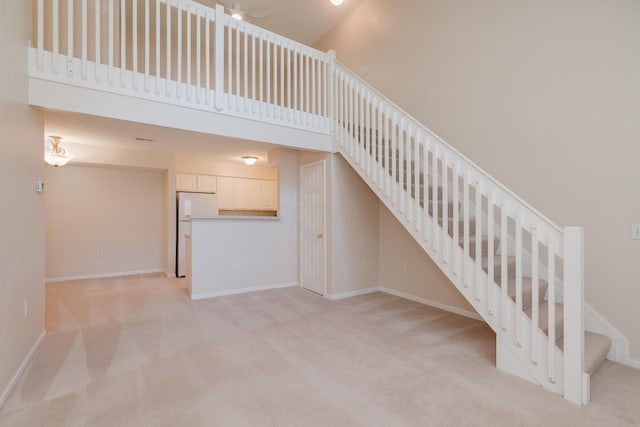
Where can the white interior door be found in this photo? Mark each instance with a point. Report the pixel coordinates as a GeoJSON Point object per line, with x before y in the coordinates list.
{"type": "Point", "coordinates": [312, 196]}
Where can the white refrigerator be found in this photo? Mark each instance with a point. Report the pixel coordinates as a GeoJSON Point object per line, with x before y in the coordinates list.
{"type": "Point", "coordinates": [190, 204]}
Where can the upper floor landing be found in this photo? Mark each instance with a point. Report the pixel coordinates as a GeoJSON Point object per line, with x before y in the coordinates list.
{"type": "Point", "coordinates": [179, 64]}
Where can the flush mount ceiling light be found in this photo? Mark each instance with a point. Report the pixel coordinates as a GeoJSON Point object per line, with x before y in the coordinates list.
{"type": "Point", "coordinates": [55, 155]}
{"type": "Point", "coordinates": [336, 2]}
{"type": "Point", "coordinates": [250, 160]}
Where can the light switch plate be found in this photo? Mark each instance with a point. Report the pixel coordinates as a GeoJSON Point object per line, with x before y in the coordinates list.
{"type": "Point", "coordinates": [38, 186]}
{"type": "Point", "coordinates": [635, 231]}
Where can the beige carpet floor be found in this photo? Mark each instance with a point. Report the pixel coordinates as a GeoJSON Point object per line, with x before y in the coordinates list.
{"type": "Point", "coordinates": [135, 351]}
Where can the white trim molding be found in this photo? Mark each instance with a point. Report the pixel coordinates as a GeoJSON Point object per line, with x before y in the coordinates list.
{"type": "Point", "coordinates": [23, 366]}
{"type": "Point", "coordinates": [226, 292]}
{"type": "Point", "coordinates": [334, 297]}
{"type": "Point", "coordinates": [105, 275]}
{"type": "Point", "coordinates": [629, 361]}
{"type": "Point", "coordinates": [619, 351]}
{"type": "Point", "coordinates": [432, 303]}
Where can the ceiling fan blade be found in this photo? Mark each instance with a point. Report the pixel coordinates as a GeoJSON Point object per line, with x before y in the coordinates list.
{"type": "Point", "coordinates": [261, 13]}
{"type": "Point", "coordinates": [235, 6]}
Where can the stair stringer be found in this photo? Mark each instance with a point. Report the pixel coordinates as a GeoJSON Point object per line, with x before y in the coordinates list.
{"type": "Point", "coordinates": [533, 361]}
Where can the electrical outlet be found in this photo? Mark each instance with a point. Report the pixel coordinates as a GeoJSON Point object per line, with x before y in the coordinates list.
{"type": "Point", "coordinates": [99, 252]}
{"type": "Point", "coordinates": [38, 186]}
{"type": "Point", "coordinates": [26, 308]}
{"type": "Point", "coordinates": [635, 231]}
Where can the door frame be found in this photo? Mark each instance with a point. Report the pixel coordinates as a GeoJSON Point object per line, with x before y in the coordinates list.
{"type": "Point", "coordinates": [322, 163]}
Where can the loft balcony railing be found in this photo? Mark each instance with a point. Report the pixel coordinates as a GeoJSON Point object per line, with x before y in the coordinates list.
{"type": "Point", "coordinates": [183, 53]}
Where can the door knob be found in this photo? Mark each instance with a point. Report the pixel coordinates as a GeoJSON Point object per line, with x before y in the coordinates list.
{"type": "Point", "coordinates": [319, 236]}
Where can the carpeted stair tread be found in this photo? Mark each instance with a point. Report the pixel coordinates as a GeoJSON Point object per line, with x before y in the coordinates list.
{"type": "Point", "coordinates": [439, 192]}
{"type": "Point", "coordinates": [596, 348]}
{"type": "Point", "coordinates": [543, 318]}
{"type": "Point", "coordinates": [497, 262]}
{"type": "Point", "coordinates": [472, 226]}
{"type": "Point", "coordinates": [527, 290]}
{"type": "Point", "coordinates": [596, 345]}
{"type": "Point", "coordinates": [440, 210]}
{"type": "Point", "coordinates": [484, 244]}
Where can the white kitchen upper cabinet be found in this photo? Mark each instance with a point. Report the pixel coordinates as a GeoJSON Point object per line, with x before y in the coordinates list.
{"type": "Point", "coordinates": [241, 193]}
{"type": "Point", "coordinates": [268, 195]}
{"type": "Point", "coordinates": [225, 193]}
{"type": "Point", "coordinates": [206, 183]}
{"type": "Point", "coordinates": [254, 194]}
{"type": "Point", "coordinates": [186, 182]}
{"type": "Point", "coordinates": [246, 194]}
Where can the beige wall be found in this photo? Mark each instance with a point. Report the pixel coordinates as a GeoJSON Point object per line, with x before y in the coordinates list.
{"type": "Point", "coordinates": [103, 220]}
{"type": "Point", "coordinates": [352, 225]}
{"type": "Point", "coordinates": [86, 154]}
{"type": "Point", "coordinates": [543, 95]}
{"type": "Point", "coordinates": [422, 277]}
{"type": "Point", "coordinates": [22, 213]}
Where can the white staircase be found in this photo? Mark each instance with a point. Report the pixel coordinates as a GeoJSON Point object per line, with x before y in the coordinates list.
{"type": "Point", "coordinates": [522, 273]}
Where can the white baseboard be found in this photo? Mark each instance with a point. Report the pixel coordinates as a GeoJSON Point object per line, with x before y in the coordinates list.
{"type": "Point", "coordinates": [432, 303]}
{"type": "Point", "coordinates": [629, 361]}
{"type": "Point", "coordinates": [243, 290]}
{"type": "Point", "coordinates": [169, 275]}
{"type": "Point", "coordinates": [104, 275]}
{"type": "Point", "coordinates": [16, 377]}
{"type": "Point", "coordinates": [350, 294]}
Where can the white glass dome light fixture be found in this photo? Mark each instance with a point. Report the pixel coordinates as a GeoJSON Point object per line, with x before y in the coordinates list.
{"type": "Point", "coordinates": [250, 160]}
{"type": "Point", "coordinates": [336, 2]}
{"type": "Point", "coordinates": [55, 155]}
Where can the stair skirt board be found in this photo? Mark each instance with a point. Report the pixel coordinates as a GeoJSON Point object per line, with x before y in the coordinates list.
{"type": "Point", "coordinates": [619, 351]}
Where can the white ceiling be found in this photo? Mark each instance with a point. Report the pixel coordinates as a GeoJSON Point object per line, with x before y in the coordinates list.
{"type": "Point", "coordinates": [100, 131]}
{"type": "Point", "coordinates": [302, 20]}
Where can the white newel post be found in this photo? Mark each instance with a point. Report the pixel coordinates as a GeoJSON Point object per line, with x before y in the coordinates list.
{"type": "Point", "coordinates": [575, 379]}
{"type": "Point", "coordinates": [219, 57]}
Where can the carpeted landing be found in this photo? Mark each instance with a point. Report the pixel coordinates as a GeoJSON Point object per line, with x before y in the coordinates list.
{"type": "Point", "coordinates": [135, 351]}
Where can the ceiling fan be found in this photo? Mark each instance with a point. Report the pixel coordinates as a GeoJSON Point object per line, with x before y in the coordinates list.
{"type": "Point", "coordinates": [238, 12]}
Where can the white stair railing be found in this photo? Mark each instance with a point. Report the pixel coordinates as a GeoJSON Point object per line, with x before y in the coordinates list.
{"type": "Point", "coordinates": [497, 250]}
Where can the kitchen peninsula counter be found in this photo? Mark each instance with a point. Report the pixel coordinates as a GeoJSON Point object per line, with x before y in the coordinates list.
{"type": "Point", "coordinates": [233, 254]}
